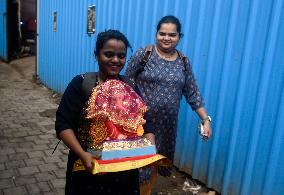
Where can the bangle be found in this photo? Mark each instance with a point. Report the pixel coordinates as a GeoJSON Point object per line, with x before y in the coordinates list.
{"type": "Point", "coordinates": [208, 118]}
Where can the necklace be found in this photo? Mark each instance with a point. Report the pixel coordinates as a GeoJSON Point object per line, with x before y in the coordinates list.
{"type": "Point", "coordinates": [163, 55]}
{"type": "Point", "coordinates": [168, 57]}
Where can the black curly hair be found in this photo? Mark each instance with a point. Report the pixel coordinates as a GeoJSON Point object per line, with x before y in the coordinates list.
{"type": "Point", "coordinates": [103, 37]}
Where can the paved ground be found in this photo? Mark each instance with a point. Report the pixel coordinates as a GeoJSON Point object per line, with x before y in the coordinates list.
{"type": "Point", "coordinates": [27, 135]}
{"type": "Point", "coordinates": [27, 138]}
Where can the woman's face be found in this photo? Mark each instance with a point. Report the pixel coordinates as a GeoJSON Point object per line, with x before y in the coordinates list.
{"type": "Point", "coordinates": [111, 58]}
{"type": "Point", "coordinates": [167, 37]}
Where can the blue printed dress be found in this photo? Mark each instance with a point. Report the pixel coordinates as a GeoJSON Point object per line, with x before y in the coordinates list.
{"type": "Point", "coordinates": [162, 84]}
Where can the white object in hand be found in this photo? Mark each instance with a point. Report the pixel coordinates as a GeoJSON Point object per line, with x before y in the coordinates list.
{"type": "Point", "coordinates": [202, 132]}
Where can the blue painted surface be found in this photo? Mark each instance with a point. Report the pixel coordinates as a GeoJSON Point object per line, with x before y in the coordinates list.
{"type": "Point", "coordinates": [3, 30]}
{"type": "Point", "coordinates": [236, 48]}
{"type": "Point", "coordinates": [126, 153]}
{"type": "Point", "coordinates": [69, 50]}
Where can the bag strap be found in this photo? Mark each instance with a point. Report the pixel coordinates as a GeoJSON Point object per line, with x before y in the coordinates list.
{"type": "Point", "coordinates": [182, 57]}
{"type": "Point", "coordinates": [147, 55]}
{"type": "Point", "coordinates": [89, 82]}
{"type": "Point", "coordinates": [148, 52]}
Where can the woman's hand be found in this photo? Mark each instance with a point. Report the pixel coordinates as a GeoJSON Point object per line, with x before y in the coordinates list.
{"type": "Point", "coordinates": [207, 130]}
{"type": "Point", "coordinates": [150, 137]}
{"type": "Point", "coordinates": [87, 160]}
{"type": "Point", "coordinates": [143, 121]}
{"type": "Point", "coordinates": [69, 138]}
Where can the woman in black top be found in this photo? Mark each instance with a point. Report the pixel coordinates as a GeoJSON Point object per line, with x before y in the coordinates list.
{"type": "Point", "coordinates": [111, 50]}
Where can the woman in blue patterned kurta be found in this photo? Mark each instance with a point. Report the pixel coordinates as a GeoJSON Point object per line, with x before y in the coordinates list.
{"type": "Point", "coordinates": [162, 82]}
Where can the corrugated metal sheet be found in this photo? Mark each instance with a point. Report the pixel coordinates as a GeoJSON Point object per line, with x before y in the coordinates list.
{"type": "Point", "coordinates": [236, 48]}
{"type": "Point", "coordinates": [69, 50]}
{"type": "Point", "coordinates": [240, 70]}
{"type": "Point", "coordinates": [3, 30]}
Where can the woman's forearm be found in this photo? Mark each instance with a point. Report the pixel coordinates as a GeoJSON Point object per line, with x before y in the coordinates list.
{"type": "Point", "coordinates": [201, 113]}
{"type": "Point", "coordinates": [70, 140]}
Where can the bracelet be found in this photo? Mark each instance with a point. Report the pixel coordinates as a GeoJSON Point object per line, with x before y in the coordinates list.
{"type": "Point", "coordinates": [208, 118]}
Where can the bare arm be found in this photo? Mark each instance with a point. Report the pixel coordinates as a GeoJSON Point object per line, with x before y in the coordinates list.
{"type": "Point", "coordinates": [70, 140]}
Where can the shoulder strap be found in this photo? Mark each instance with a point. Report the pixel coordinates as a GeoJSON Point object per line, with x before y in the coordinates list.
{"type": "Point", "coordinates": [147, 55]}
{"type": "Point", "coordinates": [89, 82]}
{"type": "Point", "coordinates": [148, 52]}
{"type": "Point", "coordinates": [181, 56]}
{"type": "Point", "coordinates": [183, 59]}
{"type": "Point", "coordinates": [90, 79]}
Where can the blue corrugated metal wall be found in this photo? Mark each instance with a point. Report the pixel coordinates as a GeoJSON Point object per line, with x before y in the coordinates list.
{"type": "Point", "coordinates": [3, 30]}
{"type": "Point", "coordinates": [69, 50]}
{"type": "Point", "coordinates": [236, 48]}
{"type": "Point", "coordinates": [241, 75]}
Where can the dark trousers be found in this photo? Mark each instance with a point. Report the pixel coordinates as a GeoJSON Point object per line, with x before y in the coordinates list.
{"type": "Point", "coordinates": [83, 182]}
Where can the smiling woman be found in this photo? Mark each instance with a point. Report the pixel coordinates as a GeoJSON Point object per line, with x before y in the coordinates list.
{"type": "Point", "coordinates": [111, 54]}
{"type": "Point", "coordinates": [111, 59]}
{"type": "Point", "coordinates": [166, 41]}
{"type": "Point", "coordinates": [165, 78]}
{"type": "Point", "coordinates": [73, 127]}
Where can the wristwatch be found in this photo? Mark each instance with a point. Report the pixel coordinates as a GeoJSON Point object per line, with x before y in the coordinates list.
{"type": "Point", "coordinates": [208, 118]}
